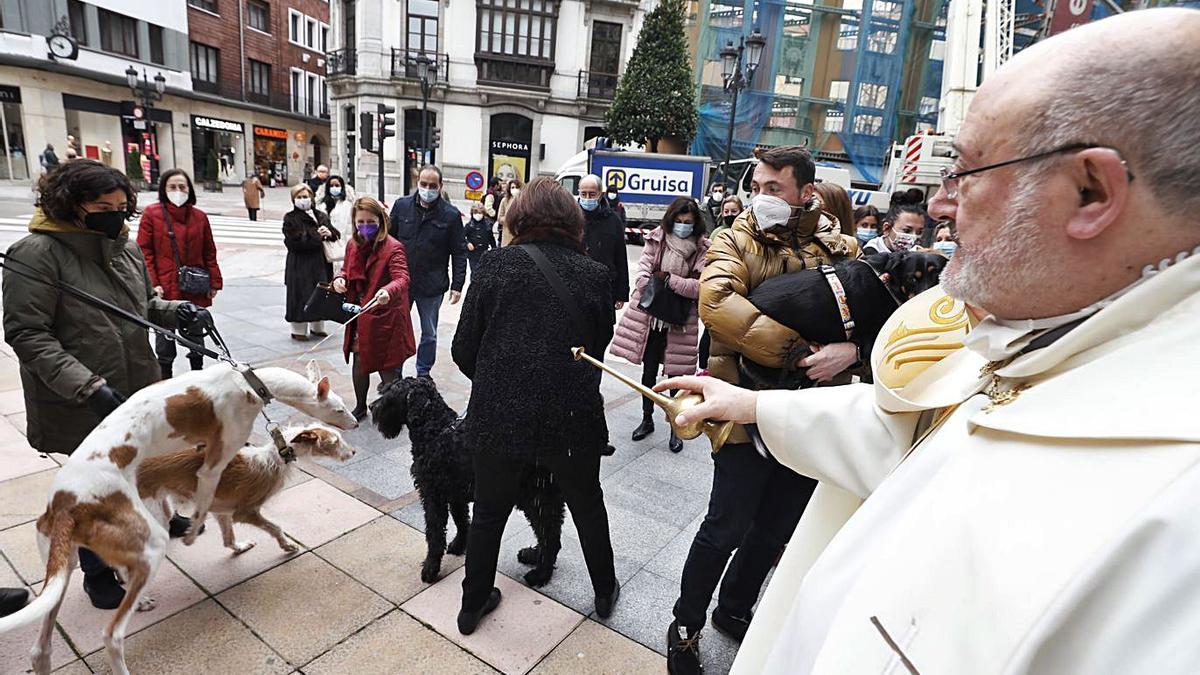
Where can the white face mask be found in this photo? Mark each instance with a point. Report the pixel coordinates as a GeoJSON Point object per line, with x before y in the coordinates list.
{"type": "Point", "coordinates": [477, 217]}
{"type": "Point", "coordinates": [177, 197]}
{"type": "Point", "coordinates": [335, 191]}
{"type": "Point", "coordinates": [904, 241]}
{"type": "Point", "coordinates": [303, 203]}
{"type": "Point", "coordinates": [771, 211]}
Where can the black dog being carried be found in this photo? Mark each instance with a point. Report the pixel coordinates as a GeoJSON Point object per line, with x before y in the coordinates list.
{"type": "Point", "coordinates": [847, 302]}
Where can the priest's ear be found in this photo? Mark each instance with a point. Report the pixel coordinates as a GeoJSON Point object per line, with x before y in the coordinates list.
{"type": "Point", "coordinates": [1103, 183]}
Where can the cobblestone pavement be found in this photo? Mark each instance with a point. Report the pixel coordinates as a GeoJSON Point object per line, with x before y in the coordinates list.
{"type": "Point", "coordinates": [351, 601]}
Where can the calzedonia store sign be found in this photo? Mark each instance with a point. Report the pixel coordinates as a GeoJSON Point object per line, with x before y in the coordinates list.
{"type": "Point", "coordinates": [214, 124]}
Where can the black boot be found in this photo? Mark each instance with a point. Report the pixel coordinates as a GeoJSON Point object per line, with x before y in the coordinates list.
{"type": "Point", "coordinates": [676, 443]}
{"type": "Point", "coordinates": [103, 589]}
{"type": "Point", "coordinates": [12, 599]}
{"type": "Point", "coordinates": [683, 650]}
{"type": "Point", "coordinates": [468, 621]}
{"type": "Point", "coordinates": [645, 428]}
{"type": "Point", "coordinates": [605, 603]}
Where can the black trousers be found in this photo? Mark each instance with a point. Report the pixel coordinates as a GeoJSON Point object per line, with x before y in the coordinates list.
{"type": "Point", "coordinates": [754, 507]}
{"type": "Point", "coordinates": [497, 480]}
{"type": "Point", "coordinates": [652, 358]}
{"type": "Point", "coordinates": [253, 213]}
{"type": "Point", "coordinates": [166, 350]}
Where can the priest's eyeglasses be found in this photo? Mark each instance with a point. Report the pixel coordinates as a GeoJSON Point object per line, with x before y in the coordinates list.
{"type": "Point", "coordinates": [950, 178]}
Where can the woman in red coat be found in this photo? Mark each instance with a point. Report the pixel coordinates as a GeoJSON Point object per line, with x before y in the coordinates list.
{"type": "Point", "coordinates": [175, 211]}
{"type": "Point", "coordinates": [376, 268]}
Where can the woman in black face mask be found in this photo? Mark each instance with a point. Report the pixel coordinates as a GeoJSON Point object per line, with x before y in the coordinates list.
{"type": "Point", "coordinates": [78, 363]}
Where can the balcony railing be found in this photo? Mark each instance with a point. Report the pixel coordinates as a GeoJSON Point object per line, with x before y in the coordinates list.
{"type": "Point", "coordinates": [404, 64]}
{"type": "Point", "coordinates": [519, 71]}
{"type": "Point", "coordinates": [598, 86]}
{"type": "Point", "coordinates": [340, 62]}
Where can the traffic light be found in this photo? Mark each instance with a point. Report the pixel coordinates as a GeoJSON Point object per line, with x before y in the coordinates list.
{"type": "Point", "coordinates": [435, 138]}
{"type": "Point", "coordinates": [387, 123]}
{"type": "Point", "coordinates": [366, 131]}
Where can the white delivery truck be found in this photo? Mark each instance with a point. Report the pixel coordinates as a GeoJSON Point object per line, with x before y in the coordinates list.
{"type": "Point", "coordinates": [647, 182]}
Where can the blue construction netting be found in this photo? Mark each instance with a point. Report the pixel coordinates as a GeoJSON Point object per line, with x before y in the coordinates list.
{"type": "Point", "coordinates": [727, 22]}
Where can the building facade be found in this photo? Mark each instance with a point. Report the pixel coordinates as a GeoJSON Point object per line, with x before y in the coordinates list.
{"type": "Point", "coordinates": [242, 86]}
{"type": "Point", "coordinates": [520, 85]}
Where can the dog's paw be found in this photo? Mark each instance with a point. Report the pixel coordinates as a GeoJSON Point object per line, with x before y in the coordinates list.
{"type": "Point", "coordinates": [539, 576]}
{"type": "Point", "coordinates": [430, 571]}
{"type": "Point", "coordinates": [530, 555]}
{"type": "Point", "coordinates": [457, 546]}
{"type": "Point", "coordinates": [289, 547]}
{"type": "Point", "coordinates": [240, 547]}
{"type": "Point", "coordinates": [146, 603]}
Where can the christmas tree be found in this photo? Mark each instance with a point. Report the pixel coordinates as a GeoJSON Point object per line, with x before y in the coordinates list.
{"type": "Point", "coordinates": [655, 98]}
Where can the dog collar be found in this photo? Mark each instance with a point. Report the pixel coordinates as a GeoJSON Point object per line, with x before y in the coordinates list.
{"type": "Point", "coordinates": [286, 452]}
{"type": "Point", "coordinates": [839, 294]}
{"type": "Point", "coordinates": [255, 383]}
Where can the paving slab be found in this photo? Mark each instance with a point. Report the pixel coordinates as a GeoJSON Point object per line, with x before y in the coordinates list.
{"type": "Point", "coordinates": [204, 639]}
{"type": "Point", "coordinates": [24, 499]}
{"type": "Point", "coordinates": [84, 624]}
{"type": "Point", "coordinates": [12, 401]}
{"type": "Point", "coordinates": [284, 607]}
{"type": "Point", "coordinates": [315, 512]}
{"type": "Point", "coordinates": [524, 628]}
{"type": "Point", "coordinates": [385, 555]}
{"type": "Point", "coordinates": [17, 457]}
{"type": "Point", "coordinates": [15, 644]}
{"type": "Point", "coordinates": [19, 545]}
{"type": "Point", "coordinates": [635, 491]}
{"type": "Point", "coordinates": [215, 568]}
{"type": "Point", "coordinates": [593, 649]}
{"type": "Point", "coordinates": [385, 477]}
{"type": "Point", "coordinates": [396, 644]}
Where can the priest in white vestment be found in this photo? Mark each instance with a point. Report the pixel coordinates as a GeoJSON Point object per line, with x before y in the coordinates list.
{"type": "Point", "coordinates": [1030, 501]}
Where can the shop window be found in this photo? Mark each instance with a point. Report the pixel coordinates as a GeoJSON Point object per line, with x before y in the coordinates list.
{"type": "Point", "coordinates": [260, 78]}
{"type": "Point", "coordinates": [78, 21]}
{"type": "Point", "coordinates": [422, 26]}
{"type": "Point", "coordinates": [156, 45]}
{"type": "Point", "coordinates": [206, 5]}
{"type": "Point", "coordinates": [118, 33]}
{"type": "Point", "coordinates": [872, 95]}
{"type": "Point", "coordinates": [258, 15]}
{"type": "Point", "coordinates": [205, 68]}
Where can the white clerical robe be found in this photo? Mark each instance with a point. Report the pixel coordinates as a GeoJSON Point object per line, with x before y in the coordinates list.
{"type": "Point", "coordinates": [1057, 532]}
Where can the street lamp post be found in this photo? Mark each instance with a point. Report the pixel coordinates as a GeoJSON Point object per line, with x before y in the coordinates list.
{"type": "Point", "coordinates": [427, 73]}
{"type": "Point", "coordinates": [731, 70]}
{"type": "Point", "coordinates": [144, 90]}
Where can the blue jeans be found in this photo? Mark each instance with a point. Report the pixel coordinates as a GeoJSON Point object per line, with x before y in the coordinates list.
{"type": "Point", "coordinates": [428, 309]}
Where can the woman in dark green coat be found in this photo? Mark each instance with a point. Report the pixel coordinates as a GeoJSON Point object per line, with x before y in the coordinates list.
{"type": "Point", "coordinates": [78, 362]}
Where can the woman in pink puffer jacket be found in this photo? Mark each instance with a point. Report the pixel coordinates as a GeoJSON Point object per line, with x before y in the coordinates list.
{"type": "Point", "coordinates": [674, 252]}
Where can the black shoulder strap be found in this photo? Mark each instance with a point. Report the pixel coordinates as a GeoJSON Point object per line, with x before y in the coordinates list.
{"type": "Point", "coordinates": [171, 236]}
{"type": "Point", "coordinates": [560, 289]}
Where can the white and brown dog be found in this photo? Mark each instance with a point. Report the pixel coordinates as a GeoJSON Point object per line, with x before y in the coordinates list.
{"type": "Point", "coordinates": [256, 473]}
{"type": "Point", "coordinates": [94, 500]}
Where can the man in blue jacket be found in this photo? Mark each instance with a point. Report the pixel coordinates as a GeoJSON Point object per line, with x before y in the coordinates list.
{"type": "Point", "coordinates": [431, 230]}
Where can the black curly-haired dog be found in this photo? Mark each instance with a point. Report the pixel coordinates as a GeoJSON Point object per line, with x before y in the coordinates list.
{"type": "Point", "coordinates": [804, 301]}
{"type": "Point", "coordinates": [444, 477]}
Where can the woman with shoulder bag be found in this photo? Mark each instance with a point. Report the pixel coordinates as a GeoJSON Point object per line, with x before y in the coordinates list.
{"type": "Point", "coordinates": [671, 263]}
{"type": "Point", "coordinates": [376, 268]}
{"type": "Point", "coordinates": [181, 258]}
{"type": "Point", "coordinates": [305, 232]}
{"type": "Point", "coordinates": [514, 341]}
{"type": "Point", "coordinates": [336, 199]}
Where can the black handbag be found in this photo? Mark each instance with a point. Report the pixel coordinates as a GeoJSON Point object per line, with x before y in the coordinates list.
{"type": "Point", "coordinates": [664, 304]}
{"type": "Point", "coordinates": [324, 304]}
{"type": "Point", "coordinates": [192, 280]}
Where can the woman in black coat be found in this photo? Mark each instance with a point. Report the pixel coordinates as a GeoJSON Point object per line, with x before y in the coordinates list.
{"type": "Point", "coordinates": [305, 231]}
{"type": "Point", "coordinates": [514, 341]}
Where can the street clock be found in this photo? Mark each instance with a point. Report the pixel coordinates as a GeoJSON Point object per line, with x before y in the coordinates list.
{"type": "Point", "coordinates": [62, 44]}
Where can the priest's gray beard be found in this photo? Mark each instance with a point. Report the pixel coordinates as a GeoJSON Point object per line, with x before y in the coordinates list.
{"type": "Point", "coordinates": [1007, 266]}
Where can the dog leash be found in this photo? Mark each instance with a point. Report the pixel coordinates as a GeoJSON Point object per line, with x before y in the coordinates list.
{"type": "Point", "coordinates": [365, 308]}
{"type": "Point", "coordinates": [208, 328]}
